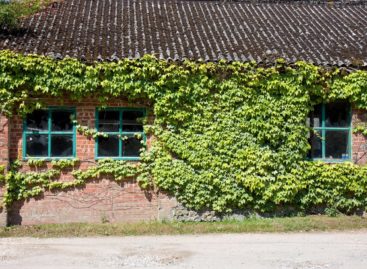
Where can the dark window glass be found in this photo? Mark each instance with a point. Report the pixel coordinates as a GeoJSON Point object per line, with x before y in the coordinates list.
{"type": "Point", "coordinates": [336, 144]}
{"type": "Point", "coordinates": [124, 123]}
{"type": "Point", "coordinates": [37, 145]}
{"type": "Point", "coordinates": [108, 121]}
{"type": "Point", "coordinates": [37, 121]}
{"type": "Point", "coordinates": [337, 114]}
{"type": "Point", "coordinates": [61, 145]}
{"type": "Point", "coordinates": [130, 121]}
{"type": "Point", "coordinates": [108, 146]}
{"type": "Point", "coordinates": [333, 129]}
{"type": "Point", "coordinates": [314, 119]}
{"type": "Point", "coordinates": [131, 147]}
{"type": "Point", "coordinates": [62, 121]}
{"type": "Point", "coordinates": [316, 145]}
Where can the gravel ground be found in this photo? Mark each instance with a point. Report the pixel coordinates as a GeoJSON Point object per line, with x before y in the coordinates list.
{"type": "Point", "coordinates": [253, 251]}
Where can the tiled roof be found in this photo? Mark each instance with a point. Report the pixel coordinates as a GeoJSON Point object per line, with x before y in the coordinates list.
{"type": "Point", "coordinates": [209, 30]}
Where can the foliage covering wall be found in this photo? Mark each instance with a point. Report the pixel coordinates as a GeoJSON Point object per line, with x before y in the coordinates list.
{"type": "Point", "coordinates": [228, 135]}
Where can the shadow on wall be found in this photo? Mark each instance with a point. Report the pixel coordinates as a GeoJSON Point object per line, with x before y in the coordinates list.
{"type": "Point", "coordinates": [14, 217]}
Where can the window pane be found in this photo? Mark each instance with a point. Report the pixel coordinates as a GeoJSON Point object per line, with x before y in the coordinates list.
{"type": "Point", "coordinates": [314, 119]}
{"type": "Point", "coordinates": [108, 121]}
{"type": "Point", "coordinates": [37, 121]}
{"type": "Point", "coordinates": [131, 147]}
{"type": "Point", "coordinates": [36, 145]}
{"type": "Point", "coordinates": [130, 123]}
{"type": "Point", "coordinates": [61, 145]}
{"type": "Point", "coordinates": [108, 146]}
{"type": "Point", "coordinates": [337, 114]}
{"type": "Point", "coordinates": [336, 146]}
{"type": "Point", "coordinates": [62, 121]}
{"type": "Point", "coordinates": [316, 145]}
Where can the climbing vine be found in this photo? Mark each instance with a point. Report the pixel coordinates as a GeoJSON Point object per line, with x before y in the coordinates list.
{"type": "Point", "coordinates": [228, 136]}
{"type": "Point", "coordinates": [361, 128]}
{"type": "Point", "coordinates": [23, 185]}
{"type": "Point", "coordinates": [93, 133]}
{"type": "Point", "coordinates": [88, 132]}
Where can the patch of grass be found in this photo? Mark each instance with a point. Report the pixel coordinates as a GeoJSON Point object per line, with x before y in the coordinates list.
{"type": "Point", "coordinates": [251, 225]}
{"type": "Point", "coordinates": [12, 11]}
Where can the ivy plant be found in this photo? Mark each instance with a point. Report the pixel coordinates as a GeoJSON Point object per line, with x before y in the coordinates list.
{"type": "Point", "coordinates": [227, 136]}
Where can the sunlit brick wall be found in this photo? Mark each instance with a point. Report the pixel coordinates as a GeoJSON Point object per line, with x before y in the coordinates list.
{"type": "Point", "coordinates": [100, 200]}
{"type": "Point", "coordinates": [359, 141]}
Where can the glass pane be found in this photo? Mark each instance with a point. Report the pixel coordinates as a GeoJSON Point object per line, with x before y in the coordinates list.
{"type": "Point", "coordinates": [37, 121]}
{"type": "Point", "coordinates": [314, 119]}
{"type": "Point", "coordinates": [62, 145]}
{"type": "Point", "coordinates": [62, 121]}
{"type": "Point", "coordinates": [337, 114]}
{"type": "Point", "coordinates": [108, 121]}
{"type": "Point", "coordinates": [108, 146]}
{"type": "Point", "coordinates": [131, 147]}
{"type": "Point", "coordinates": [336, 146]}
{"type": "Point", "coordinates": [37, 145]}
{"type": "Point", "coordinates": [130, 122]}
{"type": "Point", "coordinates": [316, 145]}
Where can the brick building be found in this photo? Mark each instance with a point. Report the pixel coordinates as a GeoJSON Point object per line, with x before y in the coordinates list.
{"type": "Point", "coordinates": [173, 30]}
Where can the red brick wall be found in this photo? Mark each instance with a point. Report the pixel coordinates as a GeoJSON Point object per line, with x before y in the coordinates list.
{"type": "Point", "coordinates": [4, 159]}
{"type": "Point", "coordinates": [359, 141]}
{"type": "Point", "coordinates": [102, 200]}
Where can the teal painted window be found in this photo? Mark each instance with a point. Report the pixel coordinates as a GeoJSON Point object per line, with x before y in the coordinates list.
{"type": "Point", "coordinates": [125, 135]}
{"type": "Point", "coordinates": [49, 133]}
{"type": "Point", "coordinates": [332, 133]}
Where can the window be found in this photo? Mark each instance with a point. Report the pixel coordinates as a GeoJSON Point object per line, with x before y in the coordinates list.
{"type": "Point", "coordinates": [124, 131]}
{"type": "Point", "coordinates": [49, 133]}
{"type": "Point", "coordinates": [331, 136]}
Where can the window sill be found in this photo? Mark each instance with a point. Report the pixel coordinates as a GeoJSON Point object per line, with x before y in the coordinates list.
{"type": "Point", "coordinates": [332, 160]}
{"type": "Point", "coordinates": [48, 159]}
{"type": "Point", "coordinates": [119, 158]}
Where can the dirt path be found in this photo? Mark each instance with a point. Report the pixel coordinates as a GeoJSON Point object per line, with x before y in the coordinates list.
{"type": "Point", "coordinates": [253, 251]}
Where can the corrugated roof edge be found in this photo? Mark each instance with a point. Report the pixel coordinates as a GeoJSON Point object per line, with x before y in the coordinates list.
{"type": "Point", "coordinates": [347, 64]}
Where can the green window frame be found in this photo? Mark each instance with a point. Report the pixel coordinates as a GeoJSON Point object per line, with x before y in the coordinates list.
{"type": "Point", "coordinates": [120, 133]}
{"type": "Point", "coordinates": [50, 134]}
{"type": "Point", "coordinates": [323, 130]}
